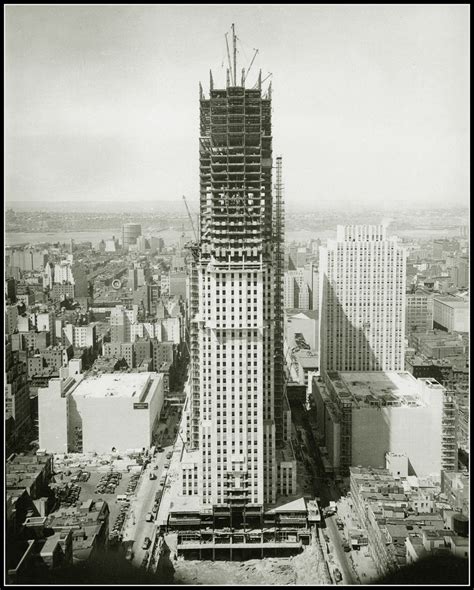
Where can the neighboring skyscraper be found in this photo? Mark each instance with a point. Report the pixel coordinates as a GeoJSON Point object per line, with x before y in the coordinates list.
{"type": "Point", "coordinates": [291, 292]}
{"type": "Point", "coordinates": [132, 279]}
{"type": "Point", "coordinates": [11, 319]}
{"type": "Point", "coordinates": [302, 288]}
{"type": "Point", "coordinates": [48, 275]}
{"type": "Point", "coordinates": [130, 233]}
{"type": "Point", "coordinates": [63, 272]}
{"type": "Point", "coordinates": [419, 311]}
{"type": "Point", "coordinates": [236, 299]}
{"type": "Point", "coordinates": [121, 320]}
{"type": "Point", "coordinates": [10, 290]}
{"type": "Point", "coordinates": [362, 301]}
{"type": "Point", "coordinates": [17, 400]}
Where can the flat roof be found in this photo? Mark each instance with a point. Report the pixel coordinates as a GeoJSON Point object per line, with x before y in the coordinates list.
{"type": "Point", "coordinates": [365, 388]}
{"type": "Point", "coordinates": [452, 301]}
{"type": "Point", "coordinates": [285, 453]}
{"type": "Point", "coordinates": [308, 359]}
{"type": "Point", "coordinates": [185, 504]}
{"type": "Point", "coordinates": [124, 385]}
{"type": "Point", "coordinates": [298, 314]}
{"type": "Point", "coordinates": [284, 505]}
{"type": "Point", "coordinates": [191, 458]}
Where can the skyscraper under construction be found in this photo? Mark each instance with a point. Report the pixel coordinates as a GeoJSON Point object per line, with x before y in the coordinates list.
{"type": "Point", "coordinates": [238, 415]}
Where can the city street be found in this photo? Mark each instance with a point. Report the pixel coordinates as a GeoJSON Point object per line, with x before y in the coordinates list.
{"type": "Point", "coordinates": [342, 557]}
{"type": "Point", "coordinates": [325, 489]}
{"type": "Point", "coordinates": [361, 560]}
{"type": "Point", "coordinates": [137, 527]}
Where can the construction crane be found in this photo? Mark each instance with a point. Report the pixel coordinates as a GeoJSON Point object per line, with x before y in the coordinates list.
{"type": "Point", "coordinates": [190, 217]}
{"type": "Point", "coordinates": [234, 44]}
{"type": "Point", "coordinates": [228, 56]}
{"type": "Point", "coordinates": [248, 69]}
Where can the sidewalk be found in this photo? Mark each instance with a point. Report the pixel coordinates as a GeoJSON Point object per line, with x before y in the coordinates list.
{"type": "Point", "coordinates": [132, 517]}
{"type": "Point", "coordinates": [327, 556]}
{"type": "Point", "coordinates": [361, 559]}
{"type": "Point", "coordinates": [173, 478]}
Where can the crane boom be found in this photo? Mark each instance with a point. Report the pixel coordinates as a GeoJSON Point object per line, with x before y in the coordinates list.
{"type": "Point", "coordinates": [190, 217]}
{"type": "Point", "coordinates": [248, 69]}
{"type": "Point", "coordinates": [228, 54]}
{"type": "Point", "coordinates": [234, 39]}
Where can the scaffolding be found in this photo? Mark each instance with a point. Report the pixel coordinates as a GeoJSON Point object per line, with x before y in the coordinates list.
{"type": "Point", "coordinates": [449, 446]}
{"type": "Point", "coordinates": [279, 364]}
{"type": "Point", "coordinates": [235, 171]}
{"type": "Point", "coordinates": [239, 533]}
{"type": "Point", "coordinates": [193, 434]}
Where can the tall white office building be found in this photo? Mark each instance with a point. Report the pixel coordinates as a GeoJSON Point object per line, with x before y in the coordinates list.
{"type": "Point", "coordinates": [237, 408]}
{"type": "Point", "coordinates": [362, 301]}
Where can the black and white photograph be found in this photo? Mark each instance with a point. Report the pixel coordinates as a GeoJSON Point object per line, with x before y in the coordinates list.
{"type": "Point", "coordinates": [236, 311]}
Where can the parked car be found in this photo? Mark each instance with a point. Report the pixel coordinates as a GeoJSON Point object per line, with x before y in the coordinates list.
{"type": "Point", "coordinates": [152, 476]}
{"type": "Point", "coordinates": [337, 575]}
{"type": "Point", "coordinates": [329, 512]}
{"type": "Point", "coordinates": [149, 517]}
{"type": "Point", "coordinates": [146, 543]}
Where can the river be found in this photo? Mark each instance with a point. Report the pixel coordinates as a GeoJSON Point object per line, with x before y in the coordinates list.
{"type": "Point", "coordinates": [172, 235]}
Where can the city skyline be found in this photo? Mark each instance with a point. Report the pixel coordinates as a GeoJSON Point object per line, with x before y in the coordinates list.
{"type": "Point", "coordinates": [401, 84]}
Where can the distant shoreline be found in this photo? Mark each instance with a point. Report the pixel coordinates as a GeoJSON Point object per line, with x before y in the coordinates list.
{"type": "Point", "coordinates": [171, 236]}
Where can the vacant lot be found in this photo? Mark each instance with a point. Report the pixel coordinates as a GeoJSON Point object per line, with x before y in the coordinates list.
{"type": "Point", "coordinates": [307, 568]}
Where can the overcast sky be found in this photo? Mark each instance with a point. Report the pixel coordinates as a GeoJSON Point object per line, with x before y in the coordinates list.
{"type": "Point", "coordinates": [370, 103]}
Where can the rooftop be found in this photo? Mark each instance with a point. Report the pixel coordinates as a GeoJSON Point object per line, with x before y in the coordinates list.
{"type": "Point", "coordinates": [286, 453]}
{"type": "Point", "coordinates": [308, 359]}
{"type": "Point", "coordinates": [375, 387]}
{"type": "Point", "coordinates": [185, 504]}
{"type": "Point", "coordinates": [283, 505]}
{"type": "Point", "coordinates": [298, 314]}
{"type": "Point", "coordinates": [50, 544]}
{"type": "Point", "coordinates": [452, 301]}
{"type": "Point", "coordinates": [124, 385]}
{"type": "Point", "coordinates": [460, 541]}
